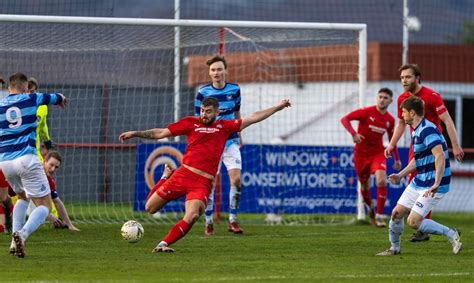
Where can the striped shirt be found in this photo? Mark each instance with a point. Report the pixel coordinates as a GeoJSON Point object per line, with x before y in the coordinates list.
{"type": "Point", "coordinates": [18, 122]}
{"type": "Point", "coordinates": [229, 103]}
{"type": "Point", "coordinates": [424, 138]}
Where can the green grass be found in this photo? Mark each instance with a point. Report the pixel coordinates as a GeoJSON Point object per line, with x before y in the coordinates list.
{"type": "Point", "coordinates": [278, 253]}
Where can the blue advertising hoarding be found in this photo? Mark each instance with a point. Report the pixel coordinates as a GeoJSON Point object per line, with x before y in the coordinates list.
{"type": "Point", "coordinates": [275, 178]}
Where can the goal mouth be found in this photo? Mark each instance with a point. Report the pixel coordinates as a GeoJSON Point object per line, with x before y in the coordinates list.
{"type": "Point", "coordinates": [136, 74]}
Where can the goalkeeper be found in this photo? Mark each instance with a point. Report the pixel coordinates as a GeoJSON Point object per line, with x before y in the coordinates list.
{"type": "Point", "coordinates": [42, 132]}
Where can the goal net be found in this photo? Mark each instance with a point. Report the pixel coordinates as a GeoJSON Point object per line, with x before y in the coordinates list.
{"type": "Point", "coordinates": [129, 74]}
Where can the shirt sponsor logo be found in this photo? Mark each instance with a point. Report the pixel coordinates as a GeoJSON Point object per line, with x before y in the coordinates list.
{"type": "Point", "coordinates": [229, 97]}
{"type": "Point", "coordinates": [206, 130]}
{"type": "Point", "coordinates": [377, 129]}
{"type": "Point", "coordinates": [372, 119]}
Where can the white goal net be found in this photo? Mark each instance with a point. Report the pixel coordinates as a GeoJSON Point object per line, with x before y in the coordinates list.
{"type": "Point", "coordinates": [129, 74]}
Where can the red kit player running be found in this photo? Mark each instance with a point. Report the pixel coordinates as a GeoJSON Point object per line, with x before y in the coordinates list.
{"type": "Point", "coordinates": [374, 122]}
{"type": "Point", "coordinates": [206, 140]}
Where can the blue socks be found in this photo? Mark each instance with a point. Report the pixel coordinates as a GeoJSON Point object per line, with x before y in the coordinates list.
{"type": "Point", "coordinates": [36, 219]}
{"type": "Point", "coordinates": [19, 214]}
{"type": "Point", "coordinates": [210, 207]}
{"type": "Point", "coordinates": [433, 227]}
{"type": "Point", "coordinates": [395, 230]}
{"type": "Point", "coordinates": [234, 203]}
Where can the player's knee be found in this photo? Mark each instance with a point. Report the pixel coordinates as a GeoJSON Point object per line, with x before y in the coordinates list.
{"type": "Point", "coordinates": [413, 223]}
{"type": "Point", "coordinates": [192, 217]}
{"type": "Point", "coordinates": [395, 214]}
{"type": "Point", "coordinates": [236, 182]}
{"type": "Point", "coordinates": [381, 183]}
{"type": "Point", "coordinates": [150, 208]}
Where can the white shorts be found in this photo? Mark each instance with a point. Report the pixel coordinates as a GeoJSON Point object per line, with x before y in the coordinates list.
{"type": "Point", "coordinates": [232, 158]}
{"type": "Point", "coordinates": [26, 174]}
{"type": "Point", "coordinates": [414, 200]}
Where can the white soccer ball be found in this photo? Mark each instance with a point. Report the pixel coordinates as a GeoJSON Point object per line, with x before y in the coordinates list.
{"type": "Point", "coordinates": [132, 231]}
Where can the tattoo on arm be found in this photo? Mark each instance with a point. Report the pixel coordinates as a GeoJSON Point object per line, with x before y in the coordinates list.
{"type": "Point", "coordinates": [145, 134]}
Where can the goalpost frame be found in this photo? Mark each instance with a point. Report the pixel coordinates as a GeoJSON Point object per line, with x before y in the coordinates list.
{"type": "Point", "coordinates": [360, 28]}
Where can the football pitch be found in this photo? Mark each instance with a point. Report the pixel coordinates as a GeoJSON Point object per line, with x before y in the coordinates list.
{"type": "Point", "coordinates": [264, 253]}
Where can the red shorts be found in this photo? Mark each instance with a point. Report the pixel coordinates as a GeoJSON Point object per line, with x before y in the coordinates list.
{"type": "Point", "coordinates": [366, 165]}
{"type": "Point", "coordinates": [185, 182]}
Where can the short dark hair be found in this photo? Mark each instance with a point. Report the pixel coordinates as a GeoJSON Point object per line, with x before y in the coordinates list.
{"type": "Point", "coordinates": [217, 58]}
{"type": "Point", "coordinates": [32, 84]}
{"type": "Point", "coordinates": [17, 80]}
{"type": "Point", "coordinates": [414, 67]}
{"type": "Point", "coordinates": [54, 154]}
{"type": "Point", "coordinates": [386, 90]}
{"type": "Point", "coordinates": [414, 103]}
{"type": "Point", "coordinates": [210, 101]}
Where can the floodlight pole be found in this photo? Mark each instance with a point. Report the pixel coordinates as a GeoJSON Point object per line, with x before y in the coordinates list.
{"type": "Point", "coordinates": [177, 60]}
{"type": "Point", "coordinates": [406, 32]}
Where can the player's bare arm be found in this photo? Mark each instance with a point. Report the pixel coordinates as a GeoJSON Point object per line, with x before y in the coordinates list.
{"type": "Point", "coordinates": [397, 134]}
{"type": "Point", "coordinates": [453, 137]}
{"type": "Point", "coordinates": [397, 164]}
{"type": "Point", "coordinates": [395, 178]}
{"type": "Point", "coordinates": [263, 114]}
{"type": "Point", "coordinates": [440, 164]}
{"type": "Point", "coordinates": [238, 116]}
{"type": "Point", "coordinates": [157, 133]}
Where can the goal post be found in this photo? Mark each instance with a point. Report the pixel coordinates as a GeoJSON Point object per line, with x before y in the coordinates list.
{"type": "Point", "coordinates": [125, 74]}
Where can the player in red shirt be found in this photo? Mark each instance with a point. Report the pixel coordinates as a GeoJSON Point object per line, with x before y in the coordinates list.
{"type": "Point", "coordinates": [206, 141]}
{"type": "Point", "coordinates": [435, 112]}
{"type": "Point", "coordinates": [374, 122]}
{"type": "Point", "coordinates": [51, 163]}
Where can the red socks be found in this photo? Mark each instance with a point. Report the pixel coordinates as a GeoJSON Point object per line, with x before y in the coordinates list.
{"type": "Point", "coordinates": [381, 198]}
{"type": "Point", "coordinates": [366, 197]}
{"type": "Point", "coordinates": [177, 232]}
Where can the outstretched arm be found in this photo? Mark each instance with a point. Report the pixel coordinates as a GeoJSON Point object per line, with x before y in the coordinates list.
{"type": "Point", "coordinates": [64, 215]}
{"type": "Point", "coordinates": [264, 114]}
{"type": "Point", "coordinates": [157, 133]}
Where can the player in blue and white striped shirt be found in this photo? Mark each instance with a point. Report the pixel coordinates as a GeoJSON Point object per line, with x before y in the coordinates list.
{"type": "Point", "coordinates": [18, 159]}
{"type": "Point", "coordinates": [228, 95]}
{"type": "Point", "coordinates": [430, 185]}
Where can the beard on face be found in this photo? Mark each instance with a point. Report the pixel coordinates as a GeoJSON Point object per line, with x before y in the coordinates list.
{"type": "Point", "coordinates": [207, 121]}
{"type": "Point", "coordinates": [410, 87]}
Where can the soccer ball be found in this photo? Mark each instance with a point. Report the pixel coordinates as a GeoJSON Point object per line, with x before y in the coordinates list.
{"type": "Point", "coordinates": [132, 231]}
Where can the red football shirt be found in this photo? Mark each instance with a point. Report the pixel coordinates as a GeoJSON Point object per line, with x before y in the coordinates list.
{"type": "Point", "coordinates": [434, 105]}
{"type": "Point", "coordinates": [372, 125]}
{"type": "Point", "coordinates": [205, 142]}
{"type": "Point", "coordinates": [52, 183]}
